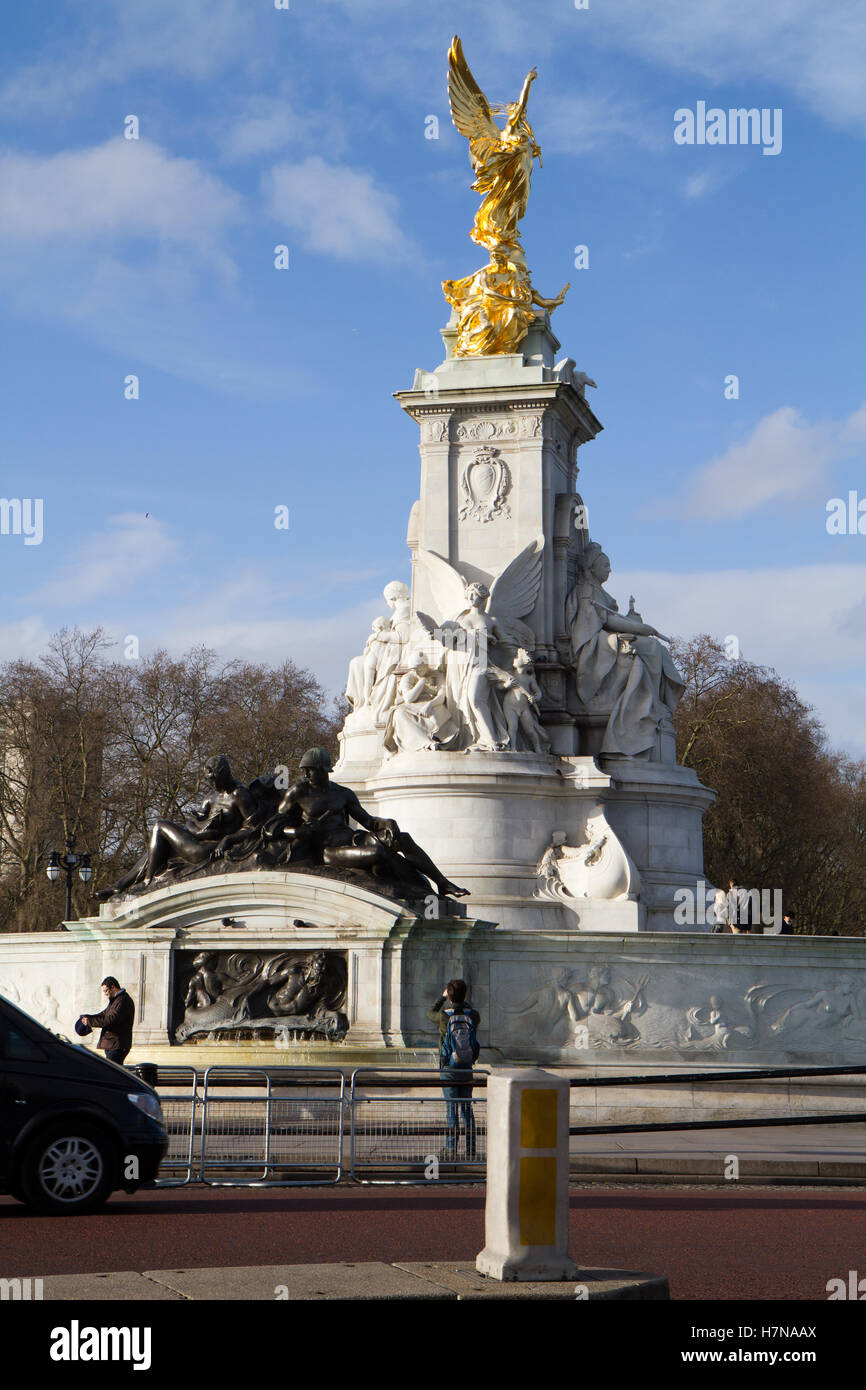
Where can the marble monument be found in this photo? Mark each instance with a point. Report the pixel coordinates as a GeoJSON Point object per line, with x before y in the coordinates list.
{"type": "Point", "coordinates": [506, 708]}
{"type": "Point", "coordinates": [507, 805]}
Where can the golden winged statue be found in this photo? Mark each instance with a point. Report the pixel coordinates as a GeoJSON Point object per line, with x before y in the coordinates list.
{"type": "Point", "coordinates": [495, 306]}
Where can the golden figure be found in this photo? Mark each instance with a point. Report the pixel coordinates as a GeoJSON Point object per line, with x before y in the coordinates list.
{"type": "Point", "coordinates": [495, 305]}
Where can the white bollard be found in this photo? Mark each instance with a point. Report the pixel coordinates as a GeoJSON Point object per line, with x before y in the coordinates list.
{"type": "Point", "coordinates": [526, 1218]}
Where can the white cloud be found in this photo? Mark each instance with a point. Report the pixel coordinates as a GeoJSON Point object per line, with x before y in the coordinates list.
{"type": "Point", "coordinates": [115, 41]}
{"type": "Point", "coordinates": [260, 614]}
{"type": "Point", "coordinates": [842, 709]}
{"type": "Point", "coordinates": [806, 621]}
{"type": "Point", "coordinates": [336, 211]}
{"type": "Point", "coordinates": [259, 617]}
{"type": "Point", "coordinates": [130, 244]}
{"type": "Point", "coordinates": [323, 644]}
{"type": "Point", "coordinates": [699, 185]}
{"type": "Point", "coordinates": [818, 52]}
{"type": "Point", "coordinates": [590, 121]}
{"type": "Point", "coordinates": [109, 562]}
{"type": "Point", "coordinates": [25, 640]}
{"type": "Point", "coordinates": [270, 124]}
{"type": "Point", "coordinates": [706, 181]}
{"type": "Point", "coordinates": [260, 134]}
{"type": "Point", "coordinates": [783, 459]}
{"type": "Point", "coordinates": [853, 431]}
{"type": "Point", "coordinates": [123, 188]}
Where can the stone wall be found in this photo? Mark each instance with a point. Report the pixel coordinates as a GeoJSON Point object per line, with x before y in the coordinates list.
{"type": "Point", "coordinates": [638, 1002]}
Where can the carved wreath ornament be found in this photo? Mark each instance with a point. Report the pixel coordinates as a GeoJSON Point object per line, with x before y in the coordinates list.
{"type": "Point", "coordinates": [485, 485]}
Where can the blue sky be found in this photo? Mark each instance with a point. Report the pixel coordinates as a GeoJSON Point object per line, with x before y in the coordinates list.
{"type": "Point", "coordinates": [261, 387]}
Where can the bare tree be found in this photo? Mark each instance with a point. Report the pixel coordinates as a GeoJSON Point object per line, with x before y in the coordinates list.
{"type": "Point", "coordinates": [790, 814]}
{"type": "Point", "coordinates": [100, 749]}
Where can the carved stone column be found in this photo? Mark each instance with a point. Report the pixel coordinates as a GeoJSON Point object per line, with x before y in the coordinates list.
{"type": "Point", "coordinates": [498, 442]}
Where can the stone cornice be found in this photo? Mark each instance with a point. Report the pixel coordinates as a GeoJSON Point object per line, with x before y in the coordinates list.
{"type": "Point", "coordinates": [468, 400]}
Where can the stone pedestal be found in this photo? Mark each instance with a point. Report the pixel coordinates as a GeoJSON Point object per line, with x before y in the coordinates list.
{"type": "Point", "coordinates": [657, 811]}
{"type": "Point", "coordinates": [266, 912]}
{"type": "Point", "coordinates": [487, 820]}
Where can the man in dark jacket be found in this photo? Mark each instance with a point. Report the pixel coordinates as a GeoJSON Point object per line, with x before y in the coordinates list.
{"type": "Point", "coordinates": [115, 1020]}
{"type": "Point", "coordinates": [457, 1087]}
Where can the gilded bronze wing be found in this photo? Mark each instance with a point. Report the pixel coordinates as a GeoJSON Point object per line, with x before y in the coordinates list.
{"type": "Point", "coordinates": [470, 111]}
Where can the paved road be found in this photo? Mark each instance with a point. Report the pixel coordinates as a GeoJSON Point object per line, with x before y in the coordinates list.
{"type": "Point", "coordinates": [718, 1244]}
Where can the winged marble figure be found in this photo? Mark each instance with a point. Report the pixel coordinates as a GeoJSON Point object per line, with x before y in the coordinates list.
{"type": "Point", "coordinates": [474, 623]}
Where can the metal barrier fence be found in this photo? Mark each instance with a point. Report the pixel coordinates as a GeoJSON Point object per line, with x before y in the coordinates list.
{"type": "Point", "coordinates": [288, 1126]}
{"type": "Point", "coordinates": [179, 1119]}
{"type": "Point", "coordinates": [410, 1138]}
{"type": "Point", "coordinates": [280, 1139]}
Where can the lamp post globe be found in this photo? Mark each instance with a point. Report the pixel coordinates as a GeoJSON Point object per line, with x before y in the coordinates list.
{"type": "Point", "coordinates": [67, 864]}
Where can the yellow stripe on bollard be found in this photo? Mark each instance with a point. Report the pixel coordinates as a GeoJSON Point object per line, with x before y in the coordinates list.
{"type": "Point", "coordinates": [538, 1119]}
{"type": "Point", "coordinates": [536, 1215]}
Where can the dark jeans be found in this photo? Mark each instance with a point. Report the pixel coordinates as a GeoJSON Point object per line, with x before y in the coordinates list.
{"type": "Point", "coordinates": [458, 1110]}
{"type": "Point", "coordinates": [118, 1055]}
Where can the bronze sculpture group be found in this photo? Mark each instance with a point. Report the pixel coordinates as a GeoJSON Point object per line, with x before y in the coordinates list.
{"type": "Point", "coordinates": [314, 823]}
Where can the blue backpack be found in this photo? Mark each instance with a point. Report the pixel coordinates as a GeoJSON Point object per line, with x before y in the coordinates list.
{"type": "Point", "coordinates": [459, 1045]}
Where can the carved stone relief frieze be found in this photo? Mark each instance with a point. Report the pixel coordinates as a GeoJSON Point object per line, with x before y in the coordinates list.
{"type": "Point", "coordinates": [522, 426]}
{"type": "Point", "coordinates": [229, 994]}
{"type": "Point", "coordinates": [595, 1009]}
{"type": "Point", "coordinates": [680, 1012]}
{"type": "Point", "coordinates": [435, 429]}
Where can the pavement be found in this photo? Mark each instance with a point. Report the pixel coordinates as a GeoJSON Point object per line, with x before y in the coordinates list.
{"type": "Point", "coordinates": [370, 1281]}
{"type": "Point", "coordinates": [789, 1153]}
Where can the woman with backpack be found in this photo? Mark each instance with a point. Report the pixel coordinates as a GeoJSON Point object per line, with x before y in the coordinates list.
{"type": "Point", "coordinates": [458, 1051]}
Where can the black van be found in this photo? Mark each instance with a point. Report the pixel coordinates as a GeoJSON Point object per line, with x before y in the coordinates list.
{"type": "Point", "coordinates": [73, 1127]}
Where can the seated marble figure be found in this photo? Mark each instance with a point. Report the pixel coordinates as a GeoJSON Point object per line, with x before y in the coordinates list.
{"type": "Point", "coordinates": [421, 718]}
{"type": "Point", "coordinates": [622, 667]}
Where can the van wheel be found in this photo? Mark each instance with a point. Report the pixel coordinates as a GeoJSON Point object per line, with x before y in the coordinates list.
{"type": "Point", "coordinates": [67, 1169]}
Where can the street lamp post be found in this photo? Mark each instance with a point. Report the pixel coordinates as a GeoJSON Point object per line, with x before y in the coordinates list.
{"type": "Point", "coordinates": [68, 863]}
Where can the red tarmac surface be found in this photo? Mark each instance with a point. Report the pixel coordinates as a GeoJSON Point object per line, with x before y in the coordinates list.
{"type": "Point", "coordinates": [719, 1244]}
